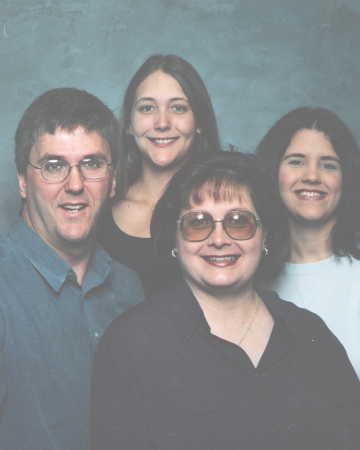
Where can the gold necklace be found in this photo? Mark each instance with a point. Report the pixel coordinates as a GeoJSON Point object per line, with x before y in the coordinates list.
{"type": "Point", "coordinates": [146, 203]}
{"type": "Point", "coordinates": [252, 319]}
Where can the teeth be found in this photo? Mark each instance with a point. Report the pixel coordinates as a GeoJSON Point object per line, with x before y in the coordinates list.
{"type": "Point", "coordinates": [221, 258]}
{"type": "Point", "coordinates": [310, 194]}
{"type": "Point", "coordinates": [73, 208]}
{"type": "Point", "coordinates": [164, 141]}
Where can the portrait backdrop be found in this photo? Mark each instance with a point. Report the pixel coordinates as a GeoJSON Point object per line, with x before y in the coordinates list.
{"type": "Point", "coordinates": [258, 58]}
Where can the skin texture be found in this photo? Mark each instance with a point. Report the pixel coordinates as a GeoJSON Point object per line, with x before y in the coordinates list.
{"type": "Point", "coordinates": [163, 123]}
{"type": "Point", "coordinates": [70, 234]}
{"type": "Point", "coordinates": [310, 179]}
{"type": "Point", "coordinates": [234, 276]}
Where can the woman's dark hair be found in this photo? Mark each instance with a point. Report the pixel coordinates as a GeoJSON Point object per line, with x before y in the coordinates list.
{"type": "Point", "coordinates": [194, 88]}
{"type": "Point", "coordinates": [221, 176]}
{"type": "Point", "coordinates": [344, 238]}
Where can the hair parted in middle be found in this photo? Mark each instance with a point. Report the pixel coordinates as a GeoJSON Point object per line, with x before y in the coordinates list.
{"type": "Point", "coordinates": [344, 239]}
{"type": "Point", "coordinates": [194, 88]}
{"type": "Point", "coordinates": [223, 176]}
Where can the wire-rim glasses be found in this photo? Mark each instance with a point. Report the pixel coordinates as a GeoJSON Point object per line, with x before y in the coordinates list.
{"type": "Point", "coordinates": [57, 170]}
{"type": "Point", "coordinates": [238, 225]}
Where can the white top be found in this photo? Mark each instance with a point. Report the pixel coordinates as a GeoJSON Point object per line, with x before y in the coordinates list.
{"type": "Point", "coordinates": [330, 289]}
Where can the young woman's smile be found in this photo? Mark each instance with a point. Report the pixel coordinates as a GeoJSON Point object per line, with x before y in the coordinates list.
{"type": "Point", "coordinates": [310, 178]}
{"type": "Point", "coordinates": [163, 123]}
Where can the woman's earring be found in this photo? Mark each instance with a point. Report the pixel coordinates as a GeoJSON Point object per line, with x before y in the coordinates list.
{"type": "Point", "coordinates": [265, 251]}
{"type": "Point", "coordinates": [174, 253]}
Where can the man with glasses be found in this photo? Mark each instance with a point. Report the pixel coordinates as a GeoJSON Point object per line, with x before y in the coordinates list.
{"type": "Point", "coordinates": [58, 289]}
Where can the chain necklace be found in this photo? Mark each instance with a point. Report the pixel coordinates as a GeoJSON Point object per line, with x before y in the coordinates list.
{"type": "Point", "coordinates": [146, 203]}
{"type": "Point", "coordinates": [252, 319]}
{"type": "Point", "coordinates": [298, 290]}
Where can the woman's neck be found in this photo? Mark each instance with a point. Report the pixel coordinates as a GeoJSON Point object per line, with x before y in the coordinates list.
{"type": "Point", "coordinates": [227, 300]}
{"type": "Point", "coordinates": [151, 185]}
{"type": "Point", "coordinates": [241, 318]}
{"type": "Point", "coordinates": [310, 244]}
{"type": "Point", "coordinates": [132, 214]}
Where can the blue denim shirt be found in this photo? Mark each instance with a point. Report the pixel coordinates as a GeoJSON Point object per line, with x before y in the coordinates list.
{"type": "Point", "coordinates": [49, 329]}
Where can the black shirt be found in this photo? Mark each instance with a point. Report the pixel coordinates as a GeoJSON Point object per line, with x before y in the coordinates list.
{"type": "Point", "coordinates": [163, 381]}
{"type": "Point", "coordinates": [138, 254]}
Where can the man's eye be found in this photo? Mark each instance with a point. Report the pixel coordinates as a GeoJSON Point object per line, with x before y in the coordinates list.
{"type": "Point", "coordinates": [91, 164]}
{"type": "Point", "coordinates": [54, 166]}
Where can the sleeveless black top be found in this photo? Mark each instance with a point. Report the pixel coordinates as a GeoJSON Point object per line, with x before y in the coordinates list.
{"type": "Point", "coordinates": [138, 254]}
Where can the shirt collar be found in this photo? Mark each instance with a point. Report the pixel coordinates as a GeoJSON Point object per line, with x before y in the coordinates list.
{"type": "Point", "coordinates": [49, 264]}
{"type": "Point", "coordinates": [98, 268]}
{"type": "Point", "coordinates": [189, 315]}
{"type": "Point", "coordinates": [185, 308]}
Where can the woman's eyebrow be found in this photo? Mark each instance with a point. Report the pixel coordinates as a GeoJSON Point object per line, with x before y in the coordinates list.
{"type": "Point", "coordinates": [294, 155]}
{"type": "Point", "coordinates": [145, 99]}
{"type": "Point", "coordinates": [150, 99]}
{"type": "Point", "coordinates": [330, 158]}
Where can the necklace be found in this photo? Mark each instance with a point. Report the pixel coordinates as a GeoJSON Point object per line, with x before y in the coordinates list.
{"type": "Point", "coordinates": [146, 203]}
{"type": "Point", "coordinates": [252, 319]}
{"type": "Point", "coordinates": [298, 290]}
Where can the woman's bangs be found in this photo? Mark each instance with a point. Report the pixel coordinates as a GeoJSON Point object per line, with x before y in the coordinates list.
{"type": "Point", "coordinates": [220, 189]}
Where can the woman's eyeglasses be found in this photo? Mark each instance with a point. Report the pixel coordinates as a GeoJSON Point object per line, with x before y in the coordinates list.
{"type": "Point", "coordinates": [239, 225]}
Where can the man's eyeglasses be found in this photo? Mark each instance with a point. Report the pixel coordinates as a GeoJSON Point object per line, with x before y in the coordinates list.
{"type": "Point", "coordinates": [239, 225]}
{"type": "Point", "coordinates": [56, 170]}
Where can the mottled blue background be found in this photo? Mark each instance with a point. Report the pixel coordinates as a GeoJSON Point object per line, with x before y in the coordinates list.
{"type": "Point", "coordinates": [259, 59]}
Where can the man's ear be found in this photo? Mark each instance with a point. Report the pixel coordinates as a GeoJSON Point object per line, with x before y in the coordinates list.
{"type": "Point", "coordinates": [22, 184]}
{"type": "Point", "coordinates": [113, 185]}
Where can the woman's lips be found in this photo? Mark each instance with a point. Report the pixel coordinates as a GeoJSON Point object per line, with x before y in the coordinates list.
{"type": "Point", "coordinates": [221, 260]}
{"type": "Point", "coordinates": [163, 141]}
{"type": "Point", "coordinates": [310, 194]}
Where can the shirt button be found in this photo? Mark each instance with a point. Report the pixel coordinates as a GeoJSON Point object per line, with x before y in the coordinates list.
{"type": "Point", "coordinates": [96, 334]}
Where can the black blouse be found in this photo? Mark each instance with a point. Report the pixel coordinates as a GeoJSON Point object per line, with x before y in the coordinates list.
{"type": "Point", "coordinates": [163, 381]}
{"type": "Point", "coordinates": [138, 254]}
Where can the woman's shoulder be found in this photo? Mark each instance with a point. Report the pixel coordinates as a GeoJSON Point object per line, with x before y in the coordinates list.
{"type": "Point", "coordinates": [300, 322]}
{"type": "Point", "coordinates": [151, 318]}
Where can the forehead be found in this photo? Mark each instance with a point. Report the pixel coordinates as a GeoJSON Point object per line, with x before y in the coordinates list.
{"type": "Point", "coordinates": [159, 85]}
{"type": "Point", "coordinates": [311, 142]}
{"type": "Point", "coordinates": [70, 145]}
{"type": "Point", "coordinates": [226, 197]}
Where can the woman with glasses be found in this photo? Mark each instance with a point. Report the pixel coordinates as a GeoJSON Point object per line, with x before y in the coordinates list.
{"type": "Point", "coordinates": [314, 164]}
{"type": "Point", "coordinates": [212, 362]}
{"type": "Point", "coordinates": [167, 116]}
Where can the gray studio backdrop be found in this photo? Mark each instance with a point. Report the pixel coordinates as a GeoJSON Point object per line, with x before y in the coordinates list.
{"type": "Point", "coordinates": [258, 58]}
